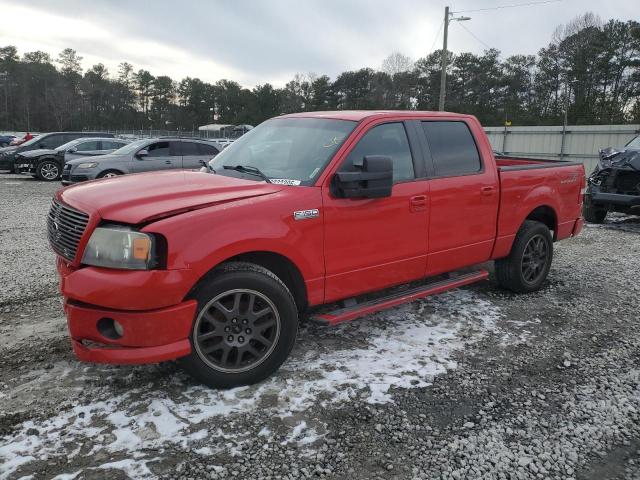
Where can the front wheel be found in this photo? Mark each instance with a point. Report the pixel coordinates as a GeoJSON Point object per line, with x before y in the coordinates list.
{"type": "Point", "coordinates": [528, 264]}
{"type": "Point", "coordinates": [48, 170]}
{"type": "Point", "coordinates": [245, 327]}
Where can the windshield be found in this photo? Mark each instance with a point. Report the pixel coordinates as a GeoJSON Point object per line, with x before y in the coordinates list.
{"type": "Point", "coordinates": [634, 144]}
{"type": "Point", "coordinates": [290, 151]}
{"type": "Point", "coordinates": [131, 147]}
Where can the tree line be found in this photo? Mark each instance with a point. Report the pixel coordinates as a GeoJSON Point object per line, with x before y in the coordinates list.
{"type": "Point", "coordinates": [590, 68]}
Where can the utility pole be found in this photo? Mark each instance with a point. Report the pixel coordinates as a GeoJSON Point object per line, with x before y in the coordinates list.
{"type": "Point", "coordinates": [443, 61]}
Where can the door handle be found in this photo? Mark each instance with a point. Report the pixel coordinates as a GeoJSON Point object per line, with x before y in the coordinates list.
{"type": "Point", "coordinates": [168, 162]}
{"type": "Point", "coordinates": [486, 191]}
{"type": "Point", "coordinates": [418, 203]}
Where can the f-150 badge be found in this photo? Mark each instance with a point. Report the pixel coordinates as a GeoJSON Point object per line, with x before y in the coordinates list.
{"type": "Point", "coordinates": [305, 214]}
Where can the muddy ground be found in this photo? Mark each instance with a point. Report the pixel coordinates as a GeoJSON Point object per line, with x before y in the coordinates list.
{"type": "Point", "coordinates": [474, 383]}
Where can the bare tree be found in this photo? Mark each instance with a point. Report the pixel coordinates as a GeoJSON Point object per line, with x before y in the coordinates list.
{"type": "Point", "coordinates": [397, 63]}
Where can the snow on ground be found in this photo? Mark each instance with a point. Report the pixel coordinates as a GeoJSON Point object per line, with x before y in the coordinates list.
{"type": "Point", "coordinates": [402, 348]}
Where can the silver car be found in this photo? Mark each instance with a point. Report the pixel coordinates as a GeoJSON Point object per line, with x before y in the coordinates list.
{"type": "Point", "coordinates": [145, 155]}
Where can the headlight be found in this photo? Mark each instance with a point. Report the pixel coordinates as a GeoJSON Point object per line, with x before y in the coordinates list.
{"type": "Point", "coordinates": [88, 165]}
{"type": "Point", "coordinates": [120, 247]}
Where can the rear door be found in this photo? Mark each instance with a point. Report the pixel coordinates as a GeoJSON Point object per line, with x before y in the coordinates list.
{"type": "Point", "coordinates": [163, 155]}
{"type": "Point", "coordinates": [463, 192]}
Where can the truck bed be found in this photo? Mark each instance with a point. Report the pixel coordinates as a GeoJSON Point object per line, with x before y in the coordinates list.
{"type": "Point", "coordinates": [506, 163]}
{"type": "Point", "coordinates": [525, 182]}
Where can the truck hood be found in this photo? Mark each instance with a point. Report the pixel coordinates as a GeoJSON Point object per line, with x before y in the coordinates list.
{"type": "Point", "coordinates": [626, 159]}
{"type": "Point", "coordinates": [141, 198]}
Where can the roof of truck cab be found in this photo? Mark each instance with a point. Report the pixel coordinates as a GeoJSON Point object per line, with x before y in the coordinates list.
{"type": "Point", "coordinates": [358, 115]}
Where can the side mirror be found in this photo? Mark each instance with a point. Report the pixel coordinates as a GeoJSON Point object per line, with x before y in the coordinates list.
{"type": "Point", "coordinates": [72, 150]}
{"type": "Point", "coordinates": [373, 178]}
{"type": "Point", "coordinates": [142, 153]}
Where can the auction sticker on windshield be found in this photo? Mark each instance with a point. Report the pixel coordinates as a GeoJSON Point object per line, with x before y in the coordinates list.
{"type": "Point", "coordinates": [285, 181]}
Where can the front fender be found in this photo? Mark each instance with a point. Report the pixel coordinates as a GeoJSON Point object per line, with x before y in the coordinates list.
{"type": "Point", "coordinates": [202, 239]}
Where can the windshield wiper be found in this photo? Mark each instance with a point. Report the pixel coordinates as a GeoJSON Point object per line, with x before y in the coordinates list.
{"type": "Point", "coordinates": [248, 169]}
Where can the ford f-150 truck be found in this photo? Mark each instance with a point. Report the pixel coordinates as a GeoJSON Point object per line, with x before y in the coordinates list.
{"type": "Point", "coordinates": [216, 267]}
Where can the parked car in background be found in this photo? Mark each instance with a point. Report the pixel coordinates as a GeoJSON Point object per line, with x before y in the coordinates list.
{"type": "Point", "coordinates": [5, 140]}
{"type": "Point", "coordinates": [144, 155]}
{"type": "Point", "coordinates": [44, 141]}
{"type": "Point", "coordinates": [306, 209]}
{"type": "Point", "coordinates": [47, 164]}
{"type": "Point", "coordinates": [614, 185]}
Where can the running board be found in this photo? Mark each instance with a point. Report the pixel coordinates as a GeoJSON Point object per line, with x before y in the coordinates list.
{"type": "Point", "coordinates": [349, 313]}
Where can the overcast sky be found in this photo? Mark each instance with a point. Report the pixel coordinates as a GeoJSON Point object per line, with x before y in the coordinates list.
{"type": "Point", "coordinates": [260, 41]}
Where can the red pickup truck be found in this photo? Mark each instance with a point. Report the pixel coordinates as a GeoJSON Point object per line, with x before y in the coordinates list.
{"type": "Point", "coordinates": [215, 267]}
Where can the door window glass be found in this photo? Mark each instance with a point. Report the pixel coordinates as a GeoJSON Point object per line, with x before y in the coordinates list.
{"type": "Point", "coordinates": [159, 149]}
{"type": "Point", "coordinates": [452, 148]}
{"type": "Point", "coordinates": [204, 149]}
{"type": "Point", "coordinates": [389, 139]}
{"type": "Point", "coordinates": [189, 148]}
{"type": "Point", "coordinates": [88, 146]}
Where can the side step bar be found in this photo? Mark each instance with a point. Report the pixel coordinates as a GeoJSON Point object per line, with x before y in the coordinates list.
{"type": "Point", "coordinates": [349, 313]}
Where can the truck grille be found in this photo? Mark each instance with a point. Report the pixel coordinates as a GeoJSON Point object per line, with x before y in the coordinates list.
{"type": "Point", "coordinates": [65, 227]}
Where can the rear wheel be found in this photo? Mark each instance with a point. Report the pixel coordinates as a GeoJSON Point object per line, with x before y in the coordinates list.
{"type": "Point", "coordinates": [48, 170]}
{"type": "Point", "coordinates": [592, 213]}
{"type": "Point", "coordinates": [528, 264]}
{"type": "Point", "coordinates": [245, 327]}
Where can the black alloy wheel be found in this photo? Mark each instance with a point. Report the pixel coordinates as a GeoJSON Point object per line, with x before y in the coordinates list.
{"type": "Point", "coordinates": [48, 171]}
{"type": "Point", "coordinates": [534, 259]}
{"type": "Point", "coordinates": [237, 330]}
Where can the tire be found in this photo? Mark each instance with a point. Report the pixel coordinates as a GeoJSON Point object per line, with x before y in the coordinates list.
{"type": "Point", "coordinates": [109, 174]}
{"type": "Point", "coordinates": [517, 271]}
{"type": "Point", "coordinates": [48, 171]}
{"type": "Point", "coordinates": [229, 345]}
{"type": "Point", "coordinates": [592, 213]}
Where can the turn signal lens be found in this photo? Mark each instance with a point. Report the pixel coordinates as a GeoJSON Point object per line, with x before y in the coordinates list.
{"type": "Point", "coordinates": [141, 248]}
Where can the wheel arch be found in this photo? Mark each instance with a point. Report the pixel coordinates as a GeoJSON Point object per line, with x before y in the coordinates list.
{"type": "Point", "coordinates": [110, 170]}
{"type": "Point", "coordinates": [546, 215]}
{"type": "Point", "coordinates": [282, 266]}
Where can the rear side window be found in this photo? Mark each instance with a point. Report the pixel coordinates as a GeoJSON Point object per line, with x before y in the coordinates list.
{"type": "Point", "coordinates": [107, 145]}
{"type": "Point", "coordinates": [452, 148]}
{"type": "Point", "coordinates": [189, 148]}
{"type": "Point", "coordinates": [204, 149]}
{"type": "Point", "coordinates": [389, 139]}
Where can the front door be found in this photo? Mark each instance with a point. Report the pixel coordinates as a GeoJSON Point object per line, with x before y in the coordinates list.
{"type": "Point", "coordinates": [162, 155]}
{"type": "Point", "coordinates": [463, 195]}
{"type": "Point", "coordinates": [377, 242]}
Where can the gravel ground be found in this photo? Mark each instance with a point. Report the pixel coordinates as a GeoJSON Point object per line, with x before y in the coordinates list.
{"type": "Point", "coordinates": [475, 383]}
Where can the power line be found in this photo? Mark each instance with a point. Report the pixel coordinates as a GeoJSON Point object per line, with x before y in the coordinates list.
{"type": "Point", "coordinates": [474, 36]}
{"type": "Point", "coordinates": [436, 37]}
{"type": "Point", "coordinates": [508, 6]}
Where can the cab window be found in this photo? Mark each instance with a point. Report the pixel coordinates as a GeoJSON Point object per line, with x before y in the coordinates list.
{"type": "Point", "coordinates": [452, 147]}
{"type": "Point", "coordinates": [389, 139]}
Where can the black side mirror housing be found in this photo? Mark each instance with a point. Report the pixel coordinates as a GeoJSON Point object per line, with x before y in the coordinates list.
{"type": "Point", "coordinates": [373, 178]}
